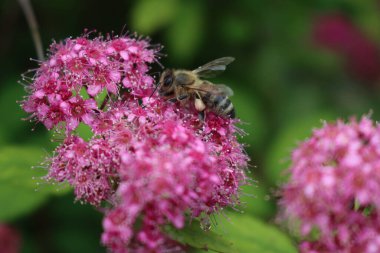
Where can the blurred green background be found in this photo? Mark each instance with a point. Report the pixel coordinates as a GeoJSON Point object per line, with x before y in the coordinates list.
{"type": "Point", "coordinates": [297, 63]}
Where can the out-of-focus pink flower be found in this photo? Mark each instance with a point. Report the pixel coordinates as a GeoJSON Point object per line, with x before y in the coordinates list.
{"type": "Point", "coordinates": [337, 33]}
{"type": "Point", "coordinates": [10, 239]}
{"type": "Point", "coordinates": [334, 188]}
{"type": "Point", "coordinates": [153, 161]}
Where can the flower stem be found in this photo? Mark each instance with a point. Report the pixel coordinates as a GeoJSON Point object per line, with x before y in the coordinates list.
{"type": "Point", "coordinates": [32, 22]}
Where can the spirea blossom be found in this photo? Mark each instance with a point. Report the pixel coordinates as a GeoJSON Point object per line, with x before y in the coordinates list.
{"type": "Point", "coordinates": [150, 162]}
{"type": "Point", "coordinates": [334, 188]}
{"type": "Point", "coordinates": [88, 167]}
{"type": "Point", "coordinates": [65, 87]}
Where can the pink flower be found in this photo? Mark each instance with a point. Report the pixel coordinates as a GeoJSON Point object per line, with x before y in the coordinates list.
{"type": "Point", "coordinates": [168, 167]}
{"type": "Point", "coordinates": [88, 167]}
{"type": "Point", "coordinates": [78, 66]}
{"type": "Point", "coordinates": [76, 110]}
{"type": "Point", "coordinates": [334, 187]}
{"type": "Point", "coordinates": [153, 161]}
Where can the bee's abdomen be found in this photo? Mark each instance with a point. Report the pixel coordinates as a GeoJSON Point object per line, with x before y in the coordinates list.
{"type": "Point", "coordinates": [220, 104]}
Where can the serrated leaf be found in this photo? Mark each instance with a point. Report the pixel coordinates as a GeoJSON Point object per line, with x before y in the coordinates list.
{"type": "Point", "coordinates": [150, 15]}
{"type": "Point", "coordinates": [21, 188]}
{"type": "Point", "coordinates": [237, 234]}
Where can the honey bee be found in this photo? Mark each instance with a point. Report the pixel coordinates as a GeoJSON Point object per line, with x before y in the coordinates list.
{"type": "Point", "coordinates": [187, 85]}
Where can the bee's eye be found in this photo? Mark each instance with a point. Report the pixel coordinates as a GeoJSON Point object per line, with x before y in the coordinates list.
{"type": "Point", "coordinates": [168, 80]}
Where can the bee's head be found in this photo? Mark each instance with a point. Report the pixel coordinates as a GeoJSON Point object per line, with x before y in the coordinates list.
{"type": "Point", "coordinates": [166, 81]}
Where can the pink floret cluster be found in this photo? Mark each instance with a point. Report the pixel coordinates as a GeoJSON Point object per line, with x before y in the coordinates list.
{"type": "Point", "coordinates": [89, 167]}
{"type": "Point", "coordinates": [150, 162]}
{"type": "Point", "coordinates": [334, 188]}
{"type": "Point", "coordinates": [65, 87]}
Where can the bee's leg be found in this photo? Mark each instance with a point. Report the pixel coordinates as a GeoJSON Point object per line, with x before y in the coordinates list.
{"type": "Point", "coordinates": [179, 98]}
{"type": "Point", "coordinates": [172, 100]}
{"type": "Point", "coordinates": [182, 97]}
{"type": "Point", "coordinates": [200, 107]}
{"type": "Point", "coordinates": [202, 116]}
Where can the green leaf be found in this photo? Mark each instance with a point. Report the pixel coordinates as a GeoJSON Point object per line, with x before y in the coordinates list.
{"type": "Point", "coordinates": [21, 187]}
{"type": "Point", "coordinates": [208, 240]}
{"type": "Point", "coordinates": [150, 15]}
{"type": "Point", "coordinates": [258, 201]}
{"type": "Point", "coordinates": [237, 234]}
{"type": "Point", "coordinates": [252, 235]}
{"type": "Point", "coordinates": [84, 131]}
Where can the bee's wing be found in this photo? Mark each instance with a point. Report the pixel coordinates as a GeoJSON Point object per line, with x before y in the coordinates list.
{"type": "Point", "coordinates": [218, 89]}
{"type": "Point", "coordinates": [213, 68]}
{"type": "Point", "coordinates": [224, 90]}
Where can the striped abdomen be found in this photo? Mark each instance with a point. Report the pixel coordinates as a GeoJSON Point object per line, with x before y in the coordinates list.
{"type": "Point", "coordinates": [219, 104]}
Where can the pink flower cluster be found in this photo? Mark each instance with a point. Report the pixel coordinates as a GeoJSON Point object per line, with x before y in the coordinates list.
{"type": "Point", "coordinates": [88, 167]}
{"type": "Point", "coordinates": [152, 161]}
{"type": "Point", "coordinates": [338, 33]}
{"type": "Point", "coordinates": [335, 187]}
{"type": "Point", "coordinates": [65, 87]}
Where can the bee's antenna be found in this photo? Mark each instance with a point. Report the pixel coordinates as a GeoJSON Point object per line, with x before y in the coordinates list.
{"type": "Point", "coordinates": [155, 89]}
{"type": "Point", "coordinates": [156, 72]}
{"type": "Point", "coordinates": [122, 30]}
{"type": "Point", "coordinates": [152, 94]}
